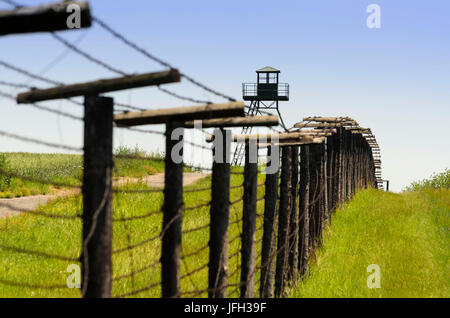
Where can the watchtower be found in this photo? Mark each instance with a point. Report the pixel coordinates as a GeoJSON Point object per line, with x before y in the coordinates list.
{"type": "Point", "coordinates": [263, 95]}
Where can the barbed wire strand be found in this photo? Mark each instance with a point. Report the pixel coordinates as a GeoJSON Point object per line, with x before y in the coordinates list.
{"type": "Point", "coordinates": [44, 108]}
{"type": "Point", "coordinates": [53, 82]}
{"type": "Point", "coordinates": [155, 59]}
{"type": "Point", "coordinates": [40, 142]}
{"type": "Point", "coordinates": [38, 253]}
{"type": "Point", "coordinates": [178, 96]}
{"type": "Point", "coordinates": [138, 271]}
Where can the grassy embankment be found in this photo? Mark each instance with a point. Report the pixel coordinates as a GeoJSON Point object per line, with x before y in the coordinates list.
{"type": "Point", "coordinates": [63, 237]}
{"type": "Point", "coordinates": [406, 234]}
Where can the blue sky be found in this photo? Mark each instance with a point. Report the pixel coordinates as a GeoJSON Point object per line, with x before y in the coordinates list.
{"type": "Point", "coordinates": [395, 79]}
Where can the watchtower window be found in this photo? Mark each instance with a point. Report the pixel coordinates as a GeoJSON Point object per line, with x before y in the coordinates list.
{"type": "Point", "coordinates": [262, 78]}
{"type": "Point", "coordinates": [267, 78]}
{"type": "Point", "coordinates": [273, 78]}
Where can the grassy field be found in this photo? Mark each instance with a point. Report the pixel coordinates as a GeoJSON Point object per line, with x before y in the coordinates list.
{"type": "Point", "coordinates": [63, 237]}
{"type": "Point", "coordinates": [407, 235]}
{"type": "Point", "coordinates": [65, 169]}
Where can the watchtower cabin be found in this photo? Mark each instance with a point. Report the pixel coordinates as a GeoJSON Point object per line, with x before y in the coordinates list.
{"type": "Point", "coordinates": [263, 95]}
{"type": "Point", "coordinates": [266, 88]}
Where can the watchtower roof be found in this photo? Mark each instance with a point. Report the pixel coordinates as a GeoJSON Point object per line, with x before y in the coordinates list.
{"type": "Point", "coordinates": [268, 69]}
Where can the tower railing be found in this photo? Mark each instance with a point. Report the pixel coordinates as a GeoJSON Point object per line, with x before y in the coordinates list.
{"type": "Point", "coordinates": [254, 91]}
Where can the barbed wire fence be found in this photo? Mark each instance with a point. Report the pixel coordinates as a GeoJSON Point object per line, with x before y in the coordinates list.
{"type": "Point", "coordinates": [251, 234]}
{"type": "Point", "coordinates": [312, 172]}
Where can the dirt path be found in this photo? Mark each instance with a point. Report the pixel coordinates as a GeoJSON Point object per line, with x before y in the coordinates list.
{"type": "Point", "coordinates": [9, 207]}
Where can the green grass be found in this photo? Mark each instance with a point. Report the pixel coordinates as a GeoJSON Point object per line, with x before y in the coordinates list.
{"type": "Point", "coordinates": [65, 169]}
{"type": "Point", "coordinates": [63, 237]}
{"type": "Point", "coordinates": [407, 235]}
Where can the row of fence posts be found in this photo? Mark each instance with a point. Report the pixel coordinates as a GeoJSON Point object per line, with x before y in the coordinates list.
{"type": "Point", "coordinates": [330, 174]}
{"type": "Point", "coordinates": [314, 180]}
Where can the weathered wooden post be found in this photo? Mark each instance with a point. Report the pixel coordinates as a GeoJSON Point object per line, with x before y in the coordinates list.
{"type": "Point", "coordinates": [324, 170]}
{"type": "Point", "coordinates": [219, 216]}
{"type": "Point", "coordinates": [371, 171]}
{"type": "Point", "coordinates": [304, 208]}
{"type": "Point", "coordinates": [314, 199]}
{"type": "Point", "coordinates": [97, 197]}
{"type": "Point", "coordinates": [330, 175]}
{"type": "Point", "coordinates": [172, 210]}
{"type": "Point", "coordinates": [368, 171]}
{"type": "Point", "coordinates": [347, 155]}
{"type": "Point", "coordinates": [283, 221]}
{"type": "Point", "coordinates": [344, 166]}
{"type": "Point", "coordinates": [249, 220]}
{"type": "Point", "coordinates": [336, 171]}
{"type": "Point", "coordinates": [268, 243]}
{"type": "Point", "coordinates": [361, 163]}
{"type": "Point", "coordinates": [341, 157]}
{"type": "Point", "coordinates": [358, 162]}
{"type": "Point", "coordinates": [293, 223]}
{"type": "Point", "coordinates": [351, 165]}
{"type": "Point", "coordinates": [364, 164]}
{"type": "Point", "coordinates": [318, 173]}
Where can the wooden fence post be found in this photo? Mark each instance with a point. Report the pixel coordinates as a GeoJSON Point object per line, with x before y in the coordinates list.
{"type": "Point", "coordinates": [335, 172]}
{"type": "Point", "coordinates": [330, 175]}
{"type": "Point", "coordinates": [364, 165]}
{"type": "Point", "coordinates": [97, 197]}
{"type": "Point", "coordinates": [172, 211]}
{"type": "Point", "coordinates": [361, 162]}
{"type": "Point", "coordinates": [283, 221]}
{"type": "Point", "coordinates": [324, 212]}
{"type": "Point", "coordinates": [341, 156]}
{"type": "Point", "coordinates": [219, 216]}
{"type": "Point", "coordinates": [346, 163]}
{"type": "Point", "coordinates": [314, 199]}
{"type": "Point", "coordinates": [371, 164]}
{"type": "Point", "coordinates": [351, 165]}
{"type": "Point", "coordinates": [293, 223]}
{"type": "Point", "coordinates": [304, 208]}
{"type": "Point", "coordinates": [318, 191]}
{"type": "Point", "coordinates": [268, 243]}
{"type": "Point", "coordinates": [367, 176]}
{"type": "Point", "coordinates": [249, 220]}
{"type": "Point", "coordinates": [358, 162]}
